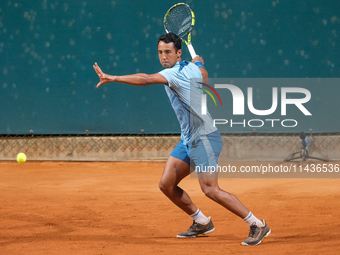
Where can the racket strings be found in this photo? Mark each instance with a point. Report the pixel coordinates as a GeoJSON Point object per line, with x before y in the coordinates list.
{"type": "Point", "coordinates": [179, 21]}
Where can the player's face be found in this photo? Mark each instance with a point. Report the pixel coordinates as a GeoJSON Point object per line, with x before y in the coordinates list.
{"type": "Point", "coordinates": [167, 54]}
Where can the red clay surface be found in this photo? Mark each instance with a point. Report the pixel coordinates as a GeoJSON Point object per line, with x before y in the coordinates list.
{"type": "Point", "coordinates": [117, 208]}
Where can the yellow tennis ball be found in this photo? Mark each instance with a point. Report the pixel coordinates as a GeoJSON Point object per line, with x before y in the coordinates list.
{"type": "Point", "coordinates": [21, 157]}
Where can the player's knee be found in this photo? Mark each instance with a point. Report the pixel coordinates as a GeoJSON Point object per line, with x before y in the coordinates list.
{"type": "Point", "coordinates": [161, 186]}
{"type": "Point", "coordinates": [164, 187]}
{"type": "Point", "coordinates": [210, 191]}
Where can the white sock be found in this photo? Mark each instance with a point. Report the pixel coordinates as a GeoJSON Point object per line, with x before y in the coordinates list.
{"type": "Point", "coordinates": [199, 217]}
{"type": "Point", "coordinates": [250, 219]}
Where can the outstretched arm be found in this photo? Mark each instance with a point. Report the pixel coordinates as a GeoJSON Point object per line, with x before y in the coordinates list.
{"type": "Point", "coordinates": [139, 79]}
{"type": "Point", "coordinates": [202, 69]}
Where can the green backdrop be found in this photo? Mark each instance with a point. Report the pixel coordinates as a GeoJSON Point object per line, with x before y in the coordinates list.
{"type": "Point", "coordinates": [47, 49]}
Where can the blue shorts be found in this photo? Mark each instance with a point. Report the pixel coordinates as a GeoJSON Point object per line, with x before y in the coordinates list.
{"type": "Point", "coordinates": [202, 152]}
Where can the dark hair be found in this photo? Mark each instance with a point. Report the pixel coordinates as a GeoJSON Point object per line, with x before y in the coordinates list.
{"type": "Point", "coordinates": [302, 135]}
{"type": "Point", "coordinates": [171, 37]}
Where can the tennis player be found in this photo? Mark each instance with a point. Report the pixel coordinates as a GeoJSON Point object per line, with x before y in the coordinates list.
{"type": "Point", "coordinates": [200, 143]}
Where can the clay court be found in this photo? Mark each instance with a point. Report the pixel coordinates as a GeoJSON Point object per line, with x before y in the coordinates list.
{"type": "Point", "coordinates": [117, 208]}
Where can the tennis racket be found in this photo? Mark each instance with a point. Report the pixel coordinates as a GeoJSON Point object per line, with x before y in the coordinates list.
{"type": "Point", "coordinates": [180, 19]}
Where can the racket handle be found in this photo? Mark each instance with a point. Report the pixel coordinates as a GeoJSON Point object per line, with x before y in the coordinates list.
{"type": "Point", "coordinates": [192, 51]}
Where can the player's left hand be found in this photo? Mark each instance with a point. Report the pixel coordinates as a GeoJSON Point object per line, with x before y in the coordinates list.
{"type": "Point", "coordinates": [198, 58]}
{"type": "Point", "coordinates": [104, 78]}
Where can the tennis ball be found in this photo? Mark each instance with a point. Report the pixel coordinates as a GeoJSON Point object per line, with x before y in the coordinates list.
{"type": "Point", "coordinates": [21, 157]}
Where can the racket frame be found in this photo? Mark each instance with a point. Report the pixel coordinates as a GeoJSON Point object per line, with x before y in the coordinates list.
{"type": "Point", "coordinates": [188, 43]}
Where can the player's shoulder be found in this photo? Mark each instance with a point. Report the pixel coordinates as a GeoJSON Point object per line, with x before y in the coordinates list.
{"type": "Point", "coordinates": [186, 65]}
{"type": "Point", "coordinates": [181, 68]}
{"type": "Point", "coordinates": [178, 67]}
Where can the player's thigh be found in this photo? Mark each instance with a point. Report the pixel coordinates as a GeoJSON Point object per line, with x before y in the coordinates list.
{"type": "Point", "coordinates": [204, 154]}
{"type": "Point", "coordinates": [175, 170]}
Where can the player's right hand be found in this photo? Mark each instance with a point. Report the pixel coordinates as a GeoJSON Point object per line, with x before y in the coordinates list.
{"type": "Point", "coordinates": [197, 58]}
